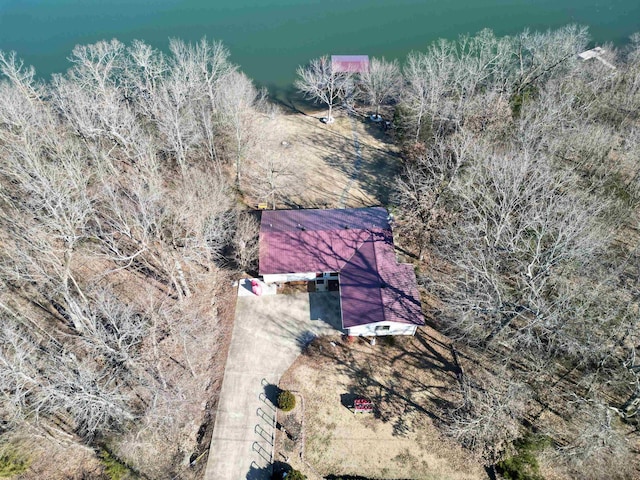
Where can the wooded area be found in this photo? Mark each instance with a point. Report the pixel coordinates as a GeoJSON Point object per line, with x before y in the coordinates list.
{"type": "Point", "coordinates": [521, 197]}
{"type": "Point", "coordinates": [122, 185]}
{"type": "Point", "coordinates": [119, 231]}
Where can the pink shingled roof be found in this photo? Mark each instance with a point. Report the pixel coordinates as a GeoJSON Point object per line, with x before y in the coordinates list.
{"type": "Point", "coordinates": [308, 251]}
{"type": "Point", "coordinates": [350, 63]}
{"type": "Point", "coordinates": [399, 290]}
{"type": "Point", "coordinates": [374, 287]}
{"type": "Point", "coordinates": [360, 296]}
{"type": "Point", "coordinates": [355, 242]}
{"type": "Point", "coordinates": [315, 240]}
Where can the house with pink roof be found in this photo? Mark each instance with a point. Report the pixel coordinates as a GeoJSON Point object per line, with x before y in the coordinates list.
{"type": "Point", "coordinates": [350, 250]}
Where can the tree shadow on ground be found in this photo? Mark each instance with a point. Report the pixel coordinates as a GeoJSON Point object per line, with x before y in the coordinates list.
{"type": "Point", "coordinates": [381, 131]}
{"type": "Point", "coordinates": [325, 306]}
{"type": "Point", "coordinates": [304, 339]}
{"type": "Point", "coordinates": [419, 383]}
{"type": "Point", "coordinates": [347, 399]}
{"type": "Point", "coordinates": [257, 472]}
{"type": "Point", "coordinates": [280, 467]}
{"type": "Point", "coordinates": [277, 470]}
{"type": "Point", "coordinates": [491, 472]}
{"type": "Point", "coordinates": [271, 392]}
{"type": "Point", "coordinates": [373, 169]}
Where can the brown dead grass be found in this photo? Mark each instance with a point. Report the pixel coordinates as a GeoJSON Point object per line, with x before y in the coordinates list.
{"type": "Point", "coordinates": [324, 157]}
{"type": "Point", "coordinates": [410, 382]}
{"type": "Point", "coordinates": [54, 461]}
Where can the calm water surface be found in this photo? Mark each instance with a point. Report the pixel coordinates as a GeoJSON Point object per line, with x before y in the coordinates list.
{"type": "Point", "coordinates": [269, 38]}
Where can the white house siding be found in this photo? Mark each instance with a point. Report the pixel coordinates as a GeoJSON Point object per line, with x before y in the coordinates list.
{"type": "Point", "coordinates": [288, 277]}
{"type": "Point", "coordinates": [394, 329]}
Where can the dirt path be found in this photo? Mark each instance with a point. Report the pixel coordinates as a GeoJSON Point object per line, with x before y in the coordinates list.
{"type": "Point", "coordinates": [356, 164]}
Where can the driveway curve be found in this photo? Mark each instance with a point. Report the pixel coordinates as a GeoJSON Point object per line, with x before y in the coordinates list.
{"type": "Point", "coordinates": [269, 332]}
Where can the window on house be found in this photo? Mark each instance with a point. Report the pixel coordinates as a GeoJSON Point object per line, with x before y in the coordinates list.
{"type": "Point", "coordinates": [383, 328]}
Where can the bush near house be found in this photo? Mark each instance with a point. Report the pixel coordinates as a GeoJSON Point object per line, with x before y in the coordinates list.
{"type": "Point", "coordinates": [286, 401]}
{"type": "Point", "coordinates": [296, 475]}
{"type": "Point", "coordinates": [288, 474]}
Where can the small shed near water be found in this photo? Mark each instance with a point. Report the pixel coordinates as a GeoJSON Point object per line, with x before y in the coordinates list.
{"type": "Point", "coordinates": [350, 63]}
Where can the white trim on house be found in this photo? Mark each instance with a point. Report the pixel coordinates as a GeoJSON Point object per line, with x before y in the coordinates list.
{"type": "Point", "coordinates": [382, 328]}
{"type": "Point", "coordinates": [378, 329]}
{"type": "Point", "coordinates": [288, 277]}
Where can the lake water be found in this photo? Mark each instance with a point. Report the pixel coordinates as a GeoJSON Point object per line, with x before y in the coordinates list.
{"type": "Point", "coordinates": [269, 38]}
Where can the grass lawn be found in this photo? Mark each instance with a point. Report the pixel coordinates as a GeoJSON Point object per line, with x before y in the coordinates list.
{"type": "Point", "coordinates": [328, 171]}
{"type": "Point", "coordinates": [410, 380]}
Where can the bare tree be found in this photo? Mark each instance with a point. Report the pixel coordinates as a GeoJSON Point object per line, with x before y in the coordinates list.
{"type": "Point", "coordinates": [175, 116]}
{"type": "Point", "coordinates": [207, 65]}
{"type": "Point", "coordinates": [239, 99]}
{"type": "Point", "coordinates": [597, 447]}
{"type": "Point", "coordinates": [519, 228]}
{"type": "Point", "coordinates": [319, 82]}
{"type": "Point", "coordinates": [489, 418]}
{"type": "Point", "coordinates": [88, 199]}
{"type": "Point", "coordinates": [19, 370]}
{"type": "Point", "coordinates": [426, 182]}
{"type": "Point", "coordinates": [208, 62]}
{"type": "Point", "coordinates": [417, 95]}
{"type": "Point", "coordinates": [246, 242]}
{"type": "Point", "coordinates": [275, 179]}
{"type": "Point", "coordinates": [538, 54]}
{"type": "Point", "coordinates": [523, 220]}
{"type": "Point", "coordinates": [381, 83]}
{"type": "Point", "coordinates": [91, 396]}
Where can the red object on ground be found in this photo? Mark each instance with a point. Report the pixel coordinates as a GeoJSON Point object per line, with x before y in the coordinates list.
{"type": "Point", "coordinates": [362, 405]}
{"type": "Point", "coordinates": [256, 288]}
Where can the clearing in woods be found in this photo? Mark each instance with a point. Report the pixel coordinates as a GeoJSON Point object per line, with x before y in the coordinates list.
{"type": "Point", "coordinates": [350, 163]}
{"type": "Point", "coordinates": [410, 381]}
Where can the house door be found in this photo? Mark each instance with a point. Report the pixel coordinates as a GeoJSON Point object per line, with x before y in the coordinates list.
{"type": "Point", "coordinates": [321, 285]}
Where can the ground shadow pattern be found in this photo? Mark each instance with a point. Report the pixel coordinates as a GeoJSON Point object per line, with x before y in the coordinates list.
{"type": "Point", "coordinates": [404, 389]}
